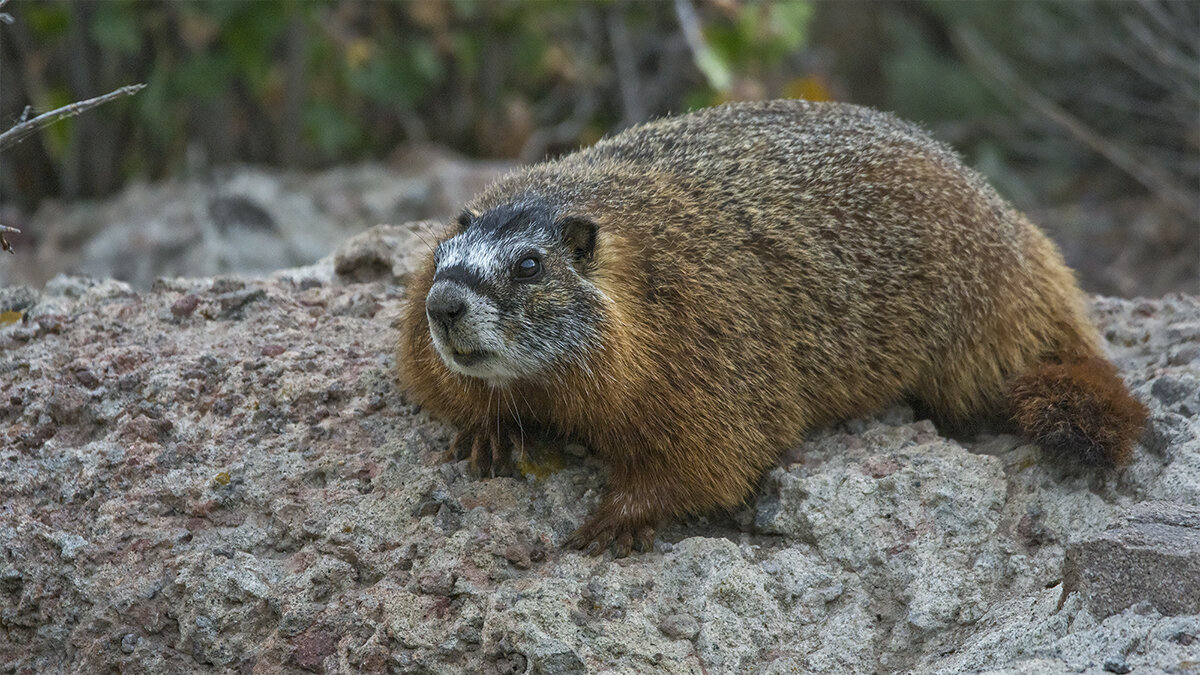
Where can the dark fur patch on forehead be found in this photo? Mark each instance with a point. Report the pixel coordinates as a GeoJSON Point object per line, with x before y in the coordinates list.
{"type": "Point", "coordinates": [460, 273]}
{"type": "Point", "coordinates": [511, 217]}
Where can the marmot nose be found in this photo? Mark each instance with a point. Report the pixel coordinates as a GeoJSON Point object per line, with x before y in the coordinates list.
{"type": "Point", "coordinates": [444, 307]}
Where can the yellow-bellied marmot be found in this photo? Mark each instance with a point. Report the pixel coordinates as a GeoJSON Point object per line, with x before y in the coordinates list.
{"type": "Point", "coordinates": [690, 296]}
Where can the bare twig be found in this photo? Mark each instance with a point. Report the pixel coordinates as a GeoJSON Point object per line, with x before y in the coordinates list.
{"type": "Point", "coordinates": [1180, 27]}
{"type": "Point", "coordinates": [1181, 66]}
{"type": "Point", "coordinates": [1004, 82]}
{"type": "Point", "coordinates": [4, 245]}
{"type": "Point", "coordinates": [717, 74]}
{"type": "Point", "coordinates": [624, 58]}
{"type": "Point", "coordinates": [25, 128]}
{"type": "Point", "coordinates": [585, 99]}
{"type": "Point", "coordinates": [586, 104]}
{"type": "Point", "coordinates": [289, 131]}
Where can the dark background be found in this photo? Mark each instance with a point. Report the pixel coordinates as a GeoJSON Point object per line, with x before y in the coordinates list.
{"type": "Point", "coordinates": [1086, 115]}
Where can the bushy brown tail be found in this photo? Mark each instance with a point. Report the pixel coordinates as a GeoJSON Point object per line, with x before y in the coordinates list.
{"type": "Point", "coordinates": [1079, 409]}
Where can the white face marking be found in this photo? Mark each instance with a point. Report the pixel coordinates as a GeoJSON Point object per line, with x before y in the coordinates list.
{"type": "Point", "coordinates": [477, 331]}
{"type": "Point", "coordinates": [502, 346]}
{"type": "Point", "coordinates": [489, 259]}
{"type": "Point", "coordinates": [480, 329]}
{"type": "Point", "coordinates": [477, 258]}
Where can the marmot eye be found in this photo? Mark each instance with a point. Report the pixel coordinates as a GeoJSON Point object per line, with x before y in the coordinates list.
{"type": "Point", "coordinates": [528, 268]}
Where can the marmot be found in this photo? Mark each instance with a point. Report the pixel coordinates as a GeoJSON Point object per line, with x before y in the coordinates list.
{"type": "Point", "coordinates": [690, 296]}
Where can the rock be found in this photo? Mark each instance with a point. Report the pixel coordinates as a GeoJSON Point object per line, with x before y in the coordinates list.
{"type": "Point", "coordinates": [1117, 665]}
{"type": "Point", "coordinates": [220, 474]}
{"type": "Point", "coordinates": [680, 627]}
{"type": "Point", "coordinates": [241, 220]}
{"type": "Point", "coordinates": [129, 642]}
{"type": "Point", "coordinates": [16, 299]}
{"type": "Point", "coordinates": [1151, 559]}
{"type": "Point", "coordinates": [390, 253]}
{"type": "Point", "coordinates": [1180, 393]}
{"type": "Point", "coordinates": [311, 648]}
{"type": "Point", "coordinates": [1035, 635]}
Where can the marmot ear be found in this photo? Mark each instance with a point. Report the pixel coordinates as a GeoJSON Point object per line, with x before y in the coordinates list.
{"type": "Point", "coordinates": [579, 234]}
{"type": "Point", "coordinates": [464, 220]}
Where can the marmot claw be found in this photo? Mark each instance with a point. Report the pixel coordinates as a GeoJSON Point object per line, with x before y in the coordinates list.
{"type": "Point", "coordinates": [600, 532]}
{"type": "Point", "coordinates": [487, 449]}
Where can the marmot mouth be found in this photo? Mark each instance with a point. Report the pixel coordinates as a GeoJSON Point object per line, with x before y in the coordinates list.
{"type": "Point", "coordinates": [468, 357]}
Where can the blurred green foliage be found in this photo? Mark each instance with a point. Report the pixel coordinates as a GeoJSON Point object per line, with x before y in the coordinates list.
{"type": "Point", "coordinates": [1057, 102]}
{"type": "Point", "coordinates": [305, 83]}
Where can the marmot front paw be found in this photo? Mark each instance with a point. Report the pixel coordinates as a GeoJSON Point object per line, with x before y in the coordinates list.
{"type": "Point", "coordinates": [487, 447]}
{"type": "Point", "coordinates": [609, 526]}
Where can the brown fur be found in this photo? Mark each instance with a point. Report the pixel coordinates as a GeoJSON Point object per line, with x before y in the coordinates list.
{"type": "Point", "coordinates": [771, 268]}
{"type": "Point", "coordinates": [1079, 409]}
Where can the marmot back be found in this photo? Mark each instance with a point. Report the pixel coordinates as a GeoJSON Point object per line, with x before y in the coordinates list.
{"type": "Point", "coordinates": [691, 296]}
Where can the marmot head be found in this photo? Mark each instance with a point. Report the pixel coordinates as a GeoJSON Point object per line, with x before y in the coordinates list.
{"type": "Point", "coordinates": [511, 295]}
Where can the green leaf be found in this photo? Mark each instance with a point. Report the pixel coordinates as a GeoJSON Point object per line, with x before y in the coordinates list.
{"type": "Point", "coordinates": [57, 136]}
{"type": "Point", "coordinates": [252, 34]}
{"type": "Point", "coordinates": [916, 68]}
{"type": "Point", "coordinates": [330, 128]}
{"type": "Point", "coordinates": [115, 27]}
{"type": "Point", "coordinates": [789, 21]}
{"type": "Point", "coordinates": [153, 104]}
{"type": "Point", "coordinates": [204, 76]}
{"type": "Point", "coordinates": [716, 71]}
{"type": "Point", "coordinates": [45, 19]}
{"type": "Point", "coordinates": [424, 61]}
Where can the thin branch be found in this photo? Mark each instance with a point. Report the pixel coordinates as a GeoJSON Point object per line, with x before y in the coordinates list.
{"type": "Point", "coordinates": [586, 104]}
{"type": "Point", "coordinates": [1181, 27]}
{"type": "Point", "coordinates": [624, 58]}
{"type": "Point", "coordinates": [4, 245]}
{"type": "Point", "coordinates": [1003, 81]}
{"type": "Point", "coordinates": [1182, 66]}
{"type": "Point", "coordinates": [19, 132]}
{"type": "Point", "coordinates": [717, 74]}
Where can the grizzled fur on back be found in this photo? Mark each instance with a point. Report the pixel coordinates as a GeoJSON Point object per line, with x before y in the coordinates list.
{"type": "Point", "coordinates": [758, 270]}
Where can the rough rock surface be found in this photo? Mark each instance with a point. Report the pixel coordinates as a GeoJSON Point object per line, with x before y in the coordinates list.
{"type": "Point", "coordinates": [218, 474]}
{"type": "Point", "coordinates": [1152, 558]}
